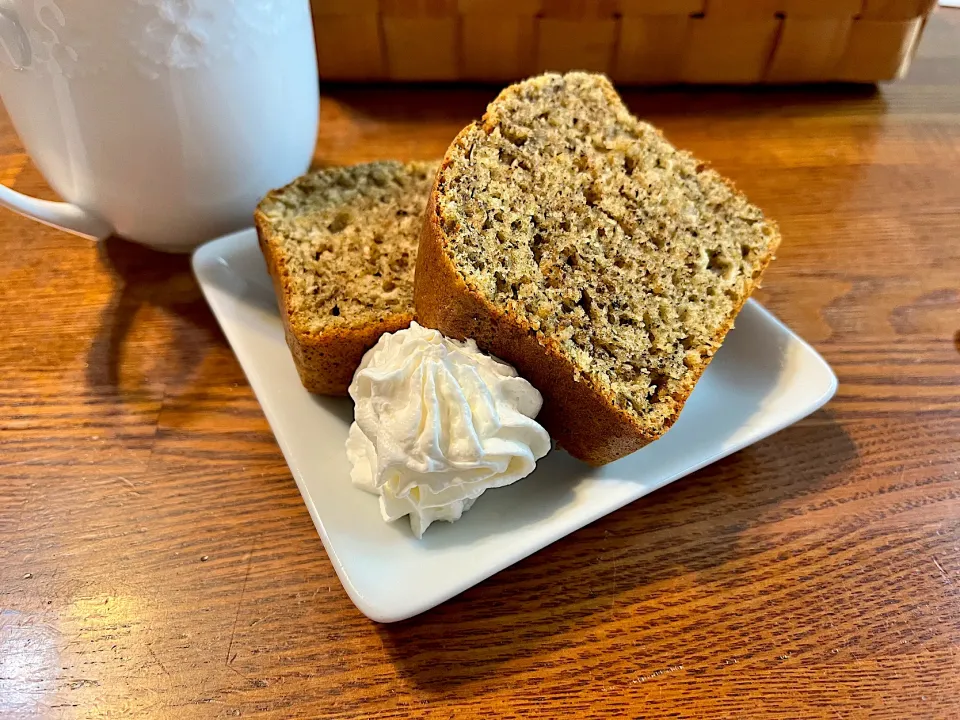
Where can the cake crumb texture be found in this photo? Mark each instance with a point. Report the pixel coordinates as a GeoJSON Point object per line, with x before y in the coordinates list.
{"type": "Point", "coordinates": [341, 246]}
{"type": "Point", "coordinates": [586, 228]}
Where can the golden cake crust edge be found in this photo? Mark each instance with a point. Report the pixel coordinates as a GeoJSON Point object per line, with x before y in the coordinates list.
{"type": "Point", "coordinates": [601, 432]}
{"type": "Point", "coordinates": [325, 361]}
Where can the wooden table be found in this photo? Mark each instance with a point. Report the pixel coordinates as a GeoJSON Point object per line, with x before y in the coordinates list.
{"type": "Point", "coordinates": [156, 559]}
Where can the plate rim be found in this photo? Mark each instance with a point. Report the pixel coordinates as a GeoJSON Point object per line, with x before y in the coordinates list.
{"type": "Point", "coordinates": [210, 252]}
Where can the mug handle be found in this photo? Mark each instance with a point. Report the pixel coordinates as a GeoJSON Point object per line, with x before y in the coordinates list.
{"type": "Point", "coordinates": [57, 214]}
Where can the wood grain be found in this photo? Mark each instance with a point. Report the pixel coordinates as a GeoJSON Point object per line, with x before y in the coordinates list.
{"type": "Point", "coordinates": [156, 559]}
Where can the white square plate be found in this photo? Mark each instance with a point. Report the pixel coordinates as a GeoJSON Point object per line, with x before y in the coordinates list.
{"type": "Point", "coordinates": [763, 379]}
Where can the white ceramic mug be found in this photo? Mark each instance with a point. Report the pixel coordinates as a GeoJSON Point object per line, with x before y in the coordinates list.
{"type": "Point", "coordinates": [162, 121]}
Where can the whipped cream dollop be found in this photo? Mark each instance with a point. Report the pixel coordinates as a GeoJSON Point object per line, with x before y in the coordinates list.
{"type": "Point", "coordinates": [437, 423]}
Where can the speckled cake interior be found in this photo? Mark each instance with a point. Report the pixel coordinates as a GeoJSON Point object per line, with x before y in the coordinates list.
{"type": "Point", "coordinates": [565, 210]}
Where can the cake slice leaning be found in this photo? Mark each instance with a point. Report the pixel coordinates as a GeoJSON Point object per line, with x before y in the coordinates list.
{"type": "Point", "coordinates": [573, 241]}
{"type": "Point", "coordinates": [340, 244]}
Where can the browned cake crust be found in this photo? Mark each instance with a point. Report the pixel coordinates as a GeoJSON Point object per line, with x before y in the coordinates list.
{"type": "Point", "coordinates": [340, 245]}
{"type": "Point", "coordinates": [326, 359]}
{"type": "Point", "coordinates": [580, 413]}
{"type": "Point", "coordinates": [576, 414]}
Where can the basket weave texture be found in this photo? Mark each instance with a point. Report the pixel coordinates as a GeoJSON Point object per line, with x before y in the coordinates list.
{"type": "Point", "coordinates": [633, 41]}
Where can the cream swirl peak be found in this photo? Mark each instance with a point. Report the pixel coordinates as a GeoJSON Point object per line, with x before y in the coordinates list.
{"type": "Point", "coordinates": [437, 423]}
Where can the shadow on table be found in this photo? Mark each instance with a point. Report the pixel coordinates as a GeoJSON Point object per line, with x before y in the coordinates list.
{"type": "Point", "coordinates": [753, 100]}
{"type": "Point", "coordinates": [149, 280]}
{"type": "Point", "coordinates": [467, 101]}
{"type": "Point", "coordinates": [624, 563]}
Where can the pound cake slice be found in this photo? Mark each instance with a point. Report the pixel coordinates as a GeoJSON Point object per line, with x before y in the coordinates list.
{"type": "Point", "coordinates": [573, 241]}
{"type": "Point", "coordinates": [341, 245]}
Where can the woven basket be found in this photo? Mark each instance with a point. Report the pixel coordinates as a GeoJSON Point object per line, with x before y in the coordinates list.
{"type": "Point", "coordinates": [633, 41]}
